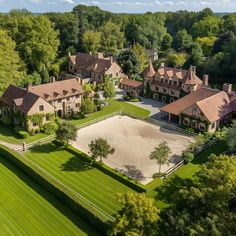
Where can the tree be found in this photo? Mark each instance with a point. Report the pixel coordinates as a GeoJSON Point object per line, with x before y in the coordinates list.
{"type": "Point", "coordinates": [175, 60]}
{"type": "Point", "coordinates": [88, 89]}
{"type": "Point", "coordinates": [231, 137]}
{"type": "Point", "coordinates": [129, 62]}
{"type": "Point", "coordinates": [91, 41]}
{"type": "Point", "coordinates": [11, 69]}
{"type": "Point", "coordinates": [109, 88]}
{"type": "Point", "coordinates": [206, 44]}
{"type": "Point", "coordinates": [138, 216]}
{"type": "Point", "coordinates": [112, 39]}
{"type": "Point", "coordinates": [208, 26]}
{"type": "Point", "coordinates": [182, 40]}
{"type": "Point", "coordinates": [87, 105]}
{"type": "Point", "coordinates": [167, 42]}
{"type": "Point", "coordinates": [141, 55]}
{"type": "Point", "coordinates": [100, 148]}
{"type": "Point", "coordinates": [196, 55]}
{"type": "Point", "coordinates": [205, 206]}
{"type": "Point", "coordinates": [161, 154]}
{"type": "Point", "coordinates": [66, 131]}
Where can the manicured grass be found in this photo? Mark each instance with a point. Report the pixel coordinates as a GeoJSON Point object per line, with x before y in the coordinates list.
{"type": "Point", "coordinates": [162, 190]}
{"type": "Point", "coordinates": [27, 209]}
{"type": "Point", "coordinates": [114, 106]}
{"type": "Point", "coordinates": [8, 135]}
{"type": "Point", "coordinates": [90, 182]}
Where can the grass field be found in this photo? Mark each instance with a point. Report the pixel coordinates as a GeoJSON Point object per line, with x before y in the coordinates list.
{"type": "Point", "coordinates": [162, 190]}
{"type": "Point", "coordinates": [91, 183]}
{"type": "Point", "coordinates": [27, 209]}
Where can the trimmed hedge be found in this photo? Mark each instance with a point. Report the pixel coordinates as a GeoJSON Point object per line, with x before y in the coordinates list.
{"type": "Point", "coordinates": [61, 193]}
{"type": "Point", "coordinates": [107, 170]}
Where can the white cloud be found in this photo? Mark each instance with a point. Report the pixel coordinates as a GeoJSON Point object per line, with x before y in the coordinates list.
{"type": "Point", "coordinates": [157, 2]}
{"type": "Point", "coordinates": [68, 1]}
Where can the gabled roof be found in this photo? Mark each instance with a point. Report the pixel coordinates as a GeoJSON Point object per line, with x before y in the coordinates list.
{"type": "Point", "coordinates": [131, 83]}
{"type": "Point", "coordinates": [21, 98]}
{"type": "Point", "coordinates": [149, 71]}
{"type": "Point", "coordinates": [171, 72]}
{"type": "Point", "coordinates": [185, 102]}
{"type": "Point", "coordinates": [92, 63]}
{"type": "Point", "coordinates": [216, 106]}
{"type": "Point", "coordinates": [58, 89]}
{"type": "Point", "coordinates": [191, 78]}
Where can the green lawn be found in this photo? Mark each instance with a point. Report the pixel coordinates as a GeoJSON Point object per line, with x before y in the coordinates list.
{"type": "Point", "coordinates": [162, 190]}
{"type": "Point", "coordinates": [114, 106]}
{"type": "Point", "coordinates": [91, 183]}
{"type": "Point", "coordinates": [27, 209]}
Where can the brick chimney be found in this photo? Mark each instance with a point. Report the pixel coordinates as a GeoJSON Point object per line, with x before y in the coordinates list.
{"type": "Point", "coordinates": [162, 65]}
{"type": "Point", "coordinates": [52, 79]}
{"type": "Point", "coordinates": [227, 88]}
{"type": "Point", "coordinates": [29, 86]}
{"type": "Point", "coordinates": [205, 80]}
{"type": "Point", "coordinates": [100, 55]}
{"type": "Point", "coordinates": [194, 70]}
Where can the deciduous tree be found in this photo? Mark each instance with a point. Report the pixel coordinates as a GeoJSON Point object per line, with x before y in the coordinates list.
{"type": "Point", "coordinates": [100, 148]}
{"type": "Point", "coordinates": [66, 131]}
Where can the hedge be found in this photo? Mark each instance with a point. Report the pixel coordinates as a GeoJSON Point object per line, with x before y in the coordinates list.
{"type": "Point", "coordinates": [107, 170]}
{"type": "Point", "coordinates": [60, 192]}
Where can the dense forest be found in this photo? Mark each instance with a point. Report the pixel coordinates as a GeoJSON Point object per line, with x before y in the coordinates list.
{"type": "Point", "coordinates": [32, 47]}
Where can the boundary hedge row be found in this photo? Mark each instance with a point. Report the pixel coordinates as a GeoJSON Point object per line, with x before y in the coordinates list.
{"type": "Point", "coordinates": [58, 191]}
{"type": "Point", "coordinates": [107, 170]}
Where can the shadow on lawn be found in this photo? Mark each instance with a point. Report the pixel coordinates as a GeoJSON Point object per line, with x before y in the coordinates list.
{"type": "Point", "coordinates": [46, 148]}
{"type": "Point", "coordinates": [79, 222]}
{"type": "Point", "coordinates": [166, 192]}
{"type": "Point", "coordinates": [74, 164]}
{"type": "Point", "coordinates": [8, 132]}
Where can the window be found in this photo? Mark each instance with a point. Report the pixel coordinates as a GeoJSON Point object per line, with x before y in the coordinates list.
{"type": "Point", "coordinates": [110, 75]}
{"type": "Point", "coordinates": [172, 99]}
{"type": "Point", "coordinates": [68, 99]}
{"type": "Point", "coordinates": [157, 88]}
{"type": "Point", "coordinates": [194, 124]}
{"type": "Point", "coordinates": [117, 74]}
{"type": "Point", "coordinates": [172, 92]}
{"type": "Point", "coordinates": [202, 127]}
{"type": "Point", "coordinates": [77, 105]}
{"type": "Point", "coordinates": [186, 121]}
{"type": "Point", "coordinates": [59, 100]}
{"type": "Point", "coordinates": [41, 108]}
{"type": "Point", "coordinates": [155, 96]}
{"type": "Point", "coordinates": [213, 125]}
{"type": "Point", "coordinates": [48, 118]}
{"type": "Point", "coordinates": [164, 90]}
{"type": "Point", "coordinates": [163, 98]}
{"type": "Point", "coordinates": [77, 96]}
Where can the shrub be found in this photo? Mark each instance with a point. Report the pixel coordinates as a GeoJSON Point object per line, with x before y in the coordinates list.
{"type": "Point", "coordinates": [127, 98]}
{"type": "Point", "coordinates": [79, 116]}
{"type": "Point", "coordinates": [187, 156]}
{"type": "Point", "coordinates": [23, 134]}
{"type": "Point", "coordinates": [49, 128]}
{"type": "Point", "coordinates": [135, 99]}
{"type": "Point", "coordinates": [31, 132]}
{"type": "Point", "coordinates": [57, 120]}
{"type": "Point", "coordinates": [87, 106]}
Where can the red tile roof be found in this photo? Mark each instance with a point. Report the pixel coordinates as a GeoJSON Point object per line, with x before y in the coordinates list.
{"type": "Point", "coordinates": [131, 83]}
{"type": "Point", "coordinates": [191, 78]}
{"type": "Point", "coordinates": [149, 71]}
{"type": "Point", "coordinates": [58, 89]}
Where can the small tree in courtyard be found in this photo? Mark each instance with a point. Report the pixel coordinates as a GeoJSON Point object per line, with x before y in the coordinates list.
{"type": "Point", "coordinates": [65, 132]}
{"type": "Point", "coordinates": [161, 154]}
{"type": "Point", "coordinates": [109, 88]}
{"type": "Point", "coordinates": [100, 148]}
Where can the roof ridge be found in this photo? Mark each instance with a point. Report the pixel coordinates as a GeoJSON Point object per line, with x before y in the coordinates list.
{"type": "Point", "coordinates": [211, 97]}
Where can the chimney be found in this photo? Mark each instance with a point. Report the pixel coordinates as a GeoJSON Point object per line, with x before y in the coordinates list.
{"type": "Point", "coordinates": [162, 65]}
{"type": "Point", "coordinates": [111, 59]}
{"type": "Point", "coordinates": [205, 80]}
{"type": "Point", "coordinates": [52, 79]}
{"type": "Point", "coordinates": [29, 86]}
{"type": "Point", "coordinates": [96, 66]}
{"type": "Point", "coordinates": [90, 53]}
{"type": "Point", "coordinates": [100, 55]}
{"type": "Point", "coordinates": [227, 88]}
{"type": "Point", "coordinates": [194, 69]}
{"type": "Point", "coordinates": [69, 54]}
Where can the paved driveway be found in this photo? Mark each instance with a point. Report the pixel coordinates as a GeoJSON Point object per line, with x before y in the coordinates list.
{"type": "Point", "coordinates": [151, 105]}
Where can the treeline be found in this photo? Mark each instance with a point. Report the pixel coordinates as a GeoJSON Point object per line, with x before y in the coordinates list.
{"type": "Point", "coordinates": [37, 46]}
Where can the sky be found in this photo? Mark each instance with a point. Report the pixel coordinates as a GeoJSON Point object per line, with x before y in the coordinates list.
{"type": "Point", "coordinates": [120, 6]}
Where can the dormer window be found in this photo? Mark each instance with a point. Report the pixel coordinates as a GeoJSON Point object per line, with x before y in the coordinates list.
{"type": "Point", "coordinates": [41, 108]}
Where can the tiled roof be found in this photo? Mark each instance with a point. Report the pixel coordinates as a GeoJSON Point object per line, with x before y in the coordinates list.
{"type": "Point", "coordinates": [92, 63]}
{"type": "Point", "coordinates": [149, 71]}
{"type": "Point", "coordinates": [131, 83]}
{"type": "Point", "coordinates": [179, 73]}
{"type": "Point", "coordinates": [58, 89]}
{"type": "Point", "coordinates": [183, 103]}
{"type": "Point", "coordinates": [21, 98]}
{"type": "Point", "coordinates": [216, 106]}
{"type": "Point", "coordinates": [191, 78]}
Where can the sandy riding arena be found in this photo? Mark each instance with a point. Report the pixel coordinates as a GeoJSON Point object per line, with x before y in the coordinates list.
{"type": "Point", "coordinates": [133, 141]}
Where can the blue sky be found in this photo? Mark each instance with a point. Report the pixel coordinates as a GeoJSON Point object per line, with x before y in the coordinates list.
{"type": "Point", "coordinates": [132, 6]}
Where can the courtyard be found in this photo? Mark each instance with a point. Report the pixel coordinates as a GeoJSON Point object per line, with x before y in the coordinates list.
{"type": "Point", "coordinates": [133, 141]}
